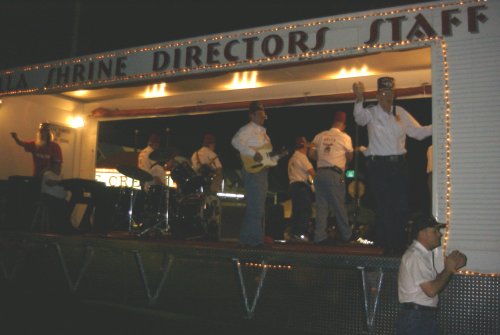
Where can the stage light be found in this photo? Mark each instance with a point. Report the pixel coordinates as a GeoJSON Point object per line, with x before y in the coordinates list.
{"type": "Point", "coordinates": [155, 91]}
{"type": "Point", "coordinates": [80, 93]}
{"type": "Point", "coordinates": [353, 73]}
{"type": "Point", "coordinates": [231, 195]}
{"type": "Point", "coordinates": [77, 122]}
{"type": "Point", "coordinates": [242, 80]}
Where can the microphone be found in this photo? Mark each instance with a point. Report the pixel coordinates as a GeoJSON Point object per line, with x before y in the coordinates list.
{"type": "Point", "coordinates": [136, 141]}
{"type": "Point", "coordinates": [394, 106]}
{"type": "Point", "coordinates": [167, 130]}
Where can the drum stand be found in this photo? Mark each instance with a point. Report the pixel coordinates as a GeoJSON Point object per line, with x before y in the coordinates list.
{"type": "Point", "coordinates": [131, 221]}
{"type": "Point", "coordinates": [162, 223]}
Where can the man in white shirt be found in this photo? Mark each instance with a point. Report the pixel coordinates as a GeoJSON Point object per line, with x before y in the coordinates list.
{"type": "Point", "coordinates": [152, 167]}
{"type": "Point", "coordinates": [332, 149]}
{"type": "Point", "coordinates": [388, 125]}
{"type": "Point", "coordinates": [422, 275]}
{"type": "Point", "coordinates": [247, 141]}
{"type": "Point", "coordinates": [300, 170]}
{"type": "Point", "coordinates": [206, 163]}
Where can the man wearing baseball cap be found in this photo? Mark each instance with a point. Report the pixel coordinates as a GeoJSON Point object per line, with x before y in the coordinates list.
{"type": "Point", "coordinates": [421, 277]}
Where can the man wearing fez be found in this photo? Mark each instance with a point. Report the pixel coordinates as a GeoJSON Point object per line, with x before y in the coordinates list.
{"type": "Point", "coordinates": [422, 275]}
{"type": "Point", "coordinates": [300, 170]}
{"type": "Point", "coordinates": [388, 125]}
{"type": "Point", "coordinates": [207, 163]}
{"type": "Point", "coordinates": [332, 149]}
{"type": "Point", "coordinates": [152, 167]}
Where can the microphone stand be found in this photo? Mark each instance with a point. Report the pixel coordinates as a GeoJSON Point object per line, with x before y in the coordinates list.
{"type": "Point", "coordinates": [136, 141]}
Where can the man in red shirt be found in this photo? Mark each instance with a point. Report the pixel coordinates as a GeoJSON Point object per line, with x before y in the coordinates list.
{"type": "Point", "coordinates": [43, 149]}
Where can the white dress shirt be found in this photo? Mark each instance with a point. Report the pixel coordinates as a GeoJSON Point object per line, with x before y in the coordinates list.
{"type": "Point", "coordinates": [249, 138]}
{"type": "Point", "coordinates": [205, 156]}
{"type": "Point", "coordinates": [298, 167]}
{"type": "Point", "coordinates": [418, 265]}
{"type": "Point", "coordinates": [150, 166]}
{"type": "Point", "coordinates": [387, 135]}
{"type": "Point", "coordinates": [331, 147]}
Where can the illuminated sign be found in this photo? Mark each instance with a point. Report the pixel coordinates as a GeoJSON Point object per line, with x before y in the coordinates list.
{"type": "Point", "coordinates": [111, 177]}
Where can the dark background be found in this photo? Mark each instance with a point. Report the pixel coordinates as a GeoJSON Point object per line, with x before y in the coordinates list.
{"type": "Point", "coordinates": [284, 124]}
{"type": "Point", "coordinates": [42, 31]}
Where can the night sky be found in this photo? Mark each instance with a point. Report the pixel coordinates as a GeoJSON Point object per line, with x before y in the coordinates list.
{"type": "Point", "coordinates": [42, 31]}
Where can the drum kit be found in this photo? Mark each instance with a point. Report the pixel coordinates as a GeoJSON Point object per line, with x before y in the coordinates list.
{"type": "Point", "coordinates": [188, 211]}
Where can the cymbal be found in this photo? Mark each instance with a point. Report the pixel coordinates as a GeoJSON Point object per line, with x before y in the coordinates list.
{"type": "Point", "coordinates": [134, 172]}
{"type": "Point", "coordinates": [162, 155]}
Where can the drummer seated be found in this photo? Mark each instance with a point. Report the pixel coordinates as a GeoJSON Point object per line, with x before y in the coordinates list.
{"type": "Point", "coordinates": [54, 198]}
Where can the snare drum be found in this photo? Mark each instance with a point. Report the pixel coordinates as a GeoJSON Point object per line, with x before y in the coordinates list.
{"type": "Point", "coordinates": [128, 206]}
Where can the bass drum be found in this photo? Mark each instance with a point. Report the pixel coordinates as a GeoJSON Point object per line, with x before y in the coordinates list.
{"type": "Point", "coordinates": [199, 216]}
{"type": "Point", "coordinates": [127, 209]}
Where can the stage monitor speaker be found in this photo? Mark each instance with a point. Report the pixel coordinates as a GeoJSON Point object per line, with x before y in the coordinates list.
{"type": "Point", "coordinates": [22, 194]}
{"type": "Point", "coordinates": [231, 218]}
{"type": "Point", "coordinates": [275, 221]}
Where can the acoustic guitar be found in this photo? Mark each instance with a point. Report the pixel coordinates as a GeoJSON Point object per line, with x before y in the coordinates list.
{"type": "Point", "coordinates": [268, 158]}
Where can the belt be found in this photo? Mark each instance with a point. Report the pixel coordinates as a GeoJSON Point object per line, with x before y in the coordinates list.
{"type": "Point", "coordinates": [334, 168]}
{"type": "Point", "coordinates": [389, 158]}
{"type": "Point", "coordinates": [417, 307]}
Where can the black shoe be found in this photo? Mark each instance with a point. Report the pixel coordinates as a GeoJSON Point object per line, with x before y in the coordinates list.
{"type": "Point", "coordinates": [326, 242]}
{"type": "Point", "coordinates": [298, 239]}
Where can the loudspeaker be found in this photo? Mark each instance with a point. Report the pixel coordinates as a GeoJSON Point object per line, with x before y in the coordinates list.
{"type": "Point", "coordinates": [231, 218]}
{"type": "Point", "coordinates": [22, 195]}
{"type": "Point", "coordinates": [275, 221]}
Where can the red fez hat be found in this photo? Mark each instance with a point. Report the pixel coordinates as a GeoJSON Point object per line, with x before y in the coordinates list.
{"type": "Point", "coordinates": [300, 142]}
{"type": "Point", "coordinates": [154, 138]}
{"type": "Point", "coordinates": [208, 139]}
{"type": "Point", "coordinates": [339, 117]}
{"type": "Point", "coordinates": [385, 83]}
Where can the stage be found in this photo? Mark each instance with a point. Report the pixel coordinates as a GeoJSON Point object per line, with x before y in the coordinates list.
{"type": "Point", "coordinates": [286, 288]}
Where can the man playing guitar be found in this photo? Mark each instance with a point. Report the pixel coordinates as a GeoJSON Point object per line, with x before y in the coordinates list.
{"type": "Point", "coordinates": [250, 140]}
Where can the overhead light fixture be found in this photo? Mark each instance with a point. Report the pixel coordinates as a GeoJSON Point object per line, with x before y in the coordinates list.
{"type": "Point", "coordinates": [242, 80]}
{"type": "Point", "coordinates": [81, 93]}
{"type": "Point", "coordinates": [353, 73]}
{"type": "Point", "coordinates": [156, 91]}
{"type": "Point", "coordinates": [76, 122]}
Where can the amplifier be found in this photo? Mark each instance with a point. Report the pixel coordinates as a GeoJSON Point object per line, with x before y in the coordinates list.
{"type": "Point", "coordinates": [231, 218]}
